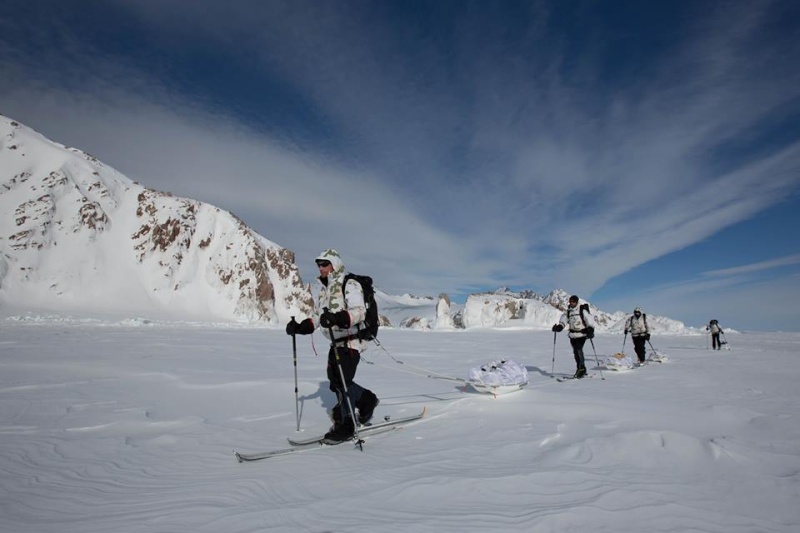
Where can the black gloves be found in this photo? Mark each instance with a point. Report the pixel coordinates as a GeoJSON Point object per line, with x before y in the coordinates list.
{"type": "Point", "coordinates": [328, 319]}
{"type": "Point", "coordinates": [340, 319]}
{"type": "Point", "coordinates": [303, 328]}
{"type": "Point", "coordinates": [647, 336]}
{"type": "Point", "coordinates": [626, 332]}
{"type": "Point", "coordinates": [722, 332]}
{"type": "Point", "coordinates": [589, 332]}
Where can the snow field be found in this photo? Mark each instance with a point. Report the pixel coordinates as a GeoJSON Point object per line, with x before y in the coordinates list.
{"type": "Point", "coordinates": [131, 426]}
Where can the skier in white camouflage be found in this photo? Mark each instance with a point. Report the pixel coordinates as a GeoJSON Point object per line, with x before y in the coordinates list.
{"type": "Point", "coordinates": [345, 311]}
{"type": "Point", "coordinates": [640, 332]}
{"type": "Point", "coordinates": [715, 329]}
{"type": "Point", "coordinates": [581, 327]}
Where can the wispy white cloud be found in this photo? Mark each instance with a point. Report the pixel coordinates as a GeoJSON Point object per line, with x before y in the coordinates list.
{"type": "Point", "coordinates": [738, 301]}
{"type": "Point", "coordinates": [300, 200]}
{"type": "Point", "coordinates": [507, 160]}
{"type": "Point", "coordinates": [756, 267]}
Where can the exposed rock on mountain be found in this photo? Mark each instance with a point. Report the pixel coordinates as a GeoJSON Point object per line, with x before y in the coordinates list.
{"type": "Point", "coordinates": [76, 234]}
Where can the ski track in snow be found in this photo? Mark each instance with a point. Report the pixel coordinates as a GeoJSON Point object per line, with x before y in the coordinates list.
{"type": "Point", "coordinates": [132, 429]}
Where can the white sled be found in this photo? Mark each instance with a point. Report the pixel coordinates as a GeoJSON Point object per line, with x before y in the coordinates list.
{"type": "Point", "coordinates": [496, 390]}
{"type": "Point", "coordinates": [498, 377]}
{"type": "Point", "coordinates": [618, 362]}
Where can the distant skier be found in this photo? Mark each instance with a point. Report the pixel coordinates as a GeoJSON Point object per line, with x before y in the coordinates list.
{"type": "Point", "coordinates": [715, 330]}
{"type": "Point", "coordinates": [581, 327]}
{"type": "Point", "coordinates": [640, 332]}
{"type": "Point", "coordinates": [346, 310]}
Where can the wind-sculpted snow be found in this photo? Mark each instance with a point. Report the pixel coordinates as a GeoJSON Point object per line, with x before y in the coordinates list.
{"type": "Point", "coordinates": [129, 424]}
{"type": "Point", "coordinates": [504, 308]}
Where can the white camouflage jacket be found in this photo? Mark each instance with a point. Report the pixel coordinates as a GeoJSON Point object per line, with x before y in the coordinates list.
{"type": "Point", "coordinates": [637, 327]}
{"type": "Point", "coordinates": [572, 319]}
{"type": "Point", "coordinates": [350, 300]}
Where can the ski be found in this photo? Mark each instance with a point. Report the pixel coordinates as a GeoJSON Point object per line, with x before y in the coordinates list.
{"type": "Point", "coordinates": [249, 457]}
{"type": "Point", "coordinates": [362, 430]}
{"type": "Point", "coordinates": [246, 457]}
{"type": "Point", "coordinates": [317, 442]}
{"type": "Point", "coordinates": [571, 378]}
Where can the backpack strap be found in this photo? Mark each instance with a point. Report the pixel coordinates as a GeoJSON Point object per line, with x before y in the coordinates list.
{"type": "Point", "coordinates": [358, 334]}
{"type": "Point", "coordinates": [582, 308]}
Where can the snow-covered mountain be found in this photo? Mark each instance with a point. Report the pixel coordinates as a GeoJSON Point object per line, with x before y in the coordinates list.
{"type": "Point", "coordinates": [77, 235]}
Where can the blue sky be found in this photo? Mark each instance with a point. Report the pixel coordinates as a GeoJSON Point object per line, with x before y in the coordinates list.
{"type": "Point", "coordinates": [635, 153]}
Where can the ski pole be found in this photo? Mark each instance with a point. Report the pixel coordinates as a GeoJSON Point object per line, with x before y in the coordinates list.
{"type": "Point", "coordinates": [596, 360]}
{"type": "Point", "coordinates": [553, 367]}
{"type": "Point", "coordinates": [344, 387]}
{"type": "Point", "coordinates": [724, 341]}
{"type": "Point", "coordinates": [655, 352]}
{"type": "Point", "coordinates": [294, 359]}
{"type": "Point", "coordinates": [623, 341]}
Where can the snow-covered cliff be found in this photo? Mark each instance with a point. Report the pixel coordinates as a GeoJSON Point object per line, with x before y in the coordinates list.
{"type": "Point", "coordinates": [76, 235]}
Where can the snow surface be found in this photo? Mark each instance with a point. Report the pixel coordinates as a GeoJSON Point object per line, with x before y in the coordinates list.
{"type": "Point", "coordinates": [130, 426]}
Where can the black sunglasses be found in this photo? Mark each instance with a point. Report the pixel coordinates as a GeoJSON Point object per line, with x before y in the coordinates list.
{"type": "Point", "coordinates": [323, 264]}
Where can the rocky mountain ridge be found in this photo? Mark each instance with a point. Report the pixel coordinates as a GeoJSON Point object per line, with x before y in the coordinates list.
{"type": "Point", "coordinates": [76, 233]}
